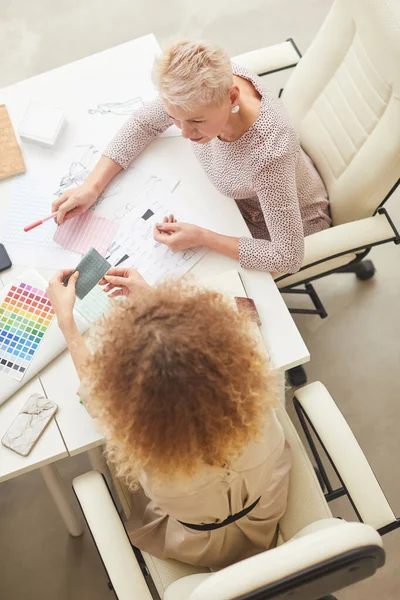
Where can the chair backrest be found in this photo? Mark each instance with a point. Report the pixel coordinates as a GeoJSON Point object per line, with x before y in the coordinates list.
{"type": "Point", "coordinates": [344, 100]}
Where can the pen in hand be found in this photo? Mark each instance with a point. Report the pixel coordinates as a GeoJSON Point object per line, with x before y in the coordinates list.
{"type": "Point", "coordinates": [40, 222]}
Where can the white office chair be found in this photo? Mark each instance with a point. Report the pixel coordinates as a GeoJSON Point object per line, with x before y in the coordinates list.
{"type": "Point", "coordinates": [343, 97]}
{"type": "Point", "coordinates": [316, 553]}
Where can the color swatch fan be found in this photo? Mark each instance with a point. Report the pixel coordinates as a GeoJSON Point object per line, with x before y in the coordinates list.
{"type": "Point", "coordinates": [25, 315]}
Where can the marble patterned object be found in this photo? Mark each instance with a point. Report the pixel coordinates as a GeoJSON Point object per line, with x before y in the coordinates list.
{"type": "Point", "coordinates": [28, 425]}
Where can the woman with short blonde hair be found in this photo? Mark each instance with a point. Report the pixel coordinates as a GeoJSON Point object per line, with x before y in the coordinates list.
{"type": "Point", "coordinates": [185, 398]}
{"type": "Point", "coordinates": [189, 74]}
{"type": "Point", "coordinates": [248, 148]}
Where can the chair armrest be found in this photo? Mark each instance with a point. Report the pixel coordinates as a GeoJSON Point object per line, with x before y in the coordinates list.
{"type": "Point", "coordinates": [290, 561]}
{"type": "Point", "coordinates": [270, 59]}
{"type": "Point", "coordinates": [343, 239]}
{"type": "Point", "coordinates": [343, 449]}
{"type": "Point", "coordinates": [110, 537]}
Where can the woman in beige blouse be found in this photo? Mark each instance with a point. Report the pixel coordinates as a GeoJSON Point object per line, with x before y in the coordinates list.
{"type": "Point", "coordinates": [184, 396]}
{"type": "Point", "coordinates": [248, 148]}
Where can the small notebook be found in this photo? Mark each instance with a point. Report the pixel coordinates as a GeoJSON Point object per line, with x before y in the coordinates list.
{"type": "Point", "coordinates": [231, 285]}
{"type": "Point", "coordinates": [11, 161]}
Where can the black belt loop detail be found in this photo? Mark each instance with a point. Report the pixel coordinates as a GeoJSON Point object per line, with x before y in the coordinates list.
{"type": "Point", "coordinates": [228, 521]}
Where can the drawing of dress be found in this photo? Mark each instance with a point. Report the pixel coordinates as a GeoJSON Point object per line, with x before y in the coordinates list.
{"type": "Point", "coordinates": [78, 169]}
{"type": "Point", "coordinates": [117, 108]}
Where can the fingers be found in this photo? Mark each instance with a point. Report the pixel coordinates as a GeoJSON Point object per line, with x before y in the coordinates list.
{"type": "Point", "coordinates": [158, 235]}
{"type": "Point", "coordinates": [118, 292]}
{"type": "Point", "coordinates": [169, 219]}
{"type": "Point", "coordinates": [108, 288]}
{"type": "Point", "coordinates": [64, 209]}
{"type": "Point", "coordinates": [116, 271]}
{"type": "Point", "coordinates": [61, 275]}
{"type": "Point", "coordinates": [78, 210]}
{"type": "Point", "coordinates": [57, 203]}
{"type": "Point", "coordinates": [72, 280]}
{"type": "Point", "coordinates": [168, 227]}
{"type": "Point", "coordinates": [115, 280]}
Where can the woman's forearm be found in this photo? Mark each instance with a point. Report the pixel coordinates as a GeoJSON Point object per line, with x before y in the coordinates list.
{"type": "Point", "coordinates": [224, 244]}
{"type": "Point", "coordinates": [76, 345]}
{"type": "Point", "coordinates": [105, 170]}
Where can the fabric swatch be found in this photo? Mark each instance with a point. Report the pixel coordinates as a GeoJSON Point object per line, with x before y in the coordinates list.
{"type": "Point", "coordinates": [86, 231]}
{"type": "Point", "coordinates": [91, 269]}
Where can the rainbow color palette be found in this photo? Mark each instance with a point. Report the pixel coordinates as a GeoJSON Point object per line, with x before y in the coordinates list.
{"type": "Point", "coordinates": [25, 315]}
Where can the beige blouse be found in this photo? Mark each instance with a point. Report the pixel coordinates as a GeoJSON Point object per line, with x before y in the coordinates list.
{"type": "Point", "coordinates": [261, 470]}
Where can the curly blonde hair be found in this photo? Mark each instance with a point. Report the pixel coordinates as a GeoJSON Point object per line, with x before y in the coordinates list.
{"type": "Point", "coordinates": [190, 73]}
{"type": "Point", "coordinates": [177, 381]}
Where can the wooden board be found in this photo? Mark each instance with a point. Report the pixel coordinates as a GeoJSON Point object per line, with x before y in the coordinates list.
{"type": "Point", "coordinates": [11, 161]}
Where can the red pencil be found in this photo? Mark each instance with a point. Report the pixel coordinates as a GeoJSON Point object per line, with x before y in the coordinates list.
{"type": "Point", "coordinates": [40, 222]}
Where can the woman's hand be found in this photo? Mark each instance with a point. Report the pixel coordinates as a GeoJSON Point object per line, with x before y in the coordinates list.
{"type": "Point", "coordinates": [62, 297]}
{"type": "Point", "coordinates": [124, 282]}
{"type": "Point", "coordinates": [74, 202]}
{"type": "Point", "coordinates": [179, 236]}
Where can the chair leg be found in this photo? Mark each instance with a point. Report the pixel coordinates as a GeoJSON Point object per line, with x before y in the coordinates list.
{"type": "Point", "coordinates": [297, 376]}
{"type": "Point", "coordinates": [363, 270]}
{"type": "Point", "coordinates": [310, 291]}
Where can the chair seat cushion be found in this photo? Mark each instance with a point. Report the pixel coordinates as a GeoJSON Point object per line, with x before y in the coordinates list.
{"type": "Point", "coordinates": [181, 589]}
{"type": "Point", "coordinates": [319, 526]}
{"type": "Point", "coordinates": [165, 572]}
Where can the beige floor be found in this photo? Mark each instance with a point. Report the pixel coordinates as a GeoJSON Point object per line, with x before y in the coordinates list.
{"type": "Point", "coordinates": [355, 351]}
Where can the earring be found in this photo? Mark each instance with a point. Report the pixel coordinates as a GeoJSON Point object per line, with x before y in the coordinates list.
{"type": "Point", "coordinates": [236, 109]}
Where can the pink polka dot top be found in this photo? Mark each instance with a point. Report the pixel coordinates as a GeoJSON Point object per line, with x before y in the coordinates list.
{"type": "Point", "coordinates": [272, 180]}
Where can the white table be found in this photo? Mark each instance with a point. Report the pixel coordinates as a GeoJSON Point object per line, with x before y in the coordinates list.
{"type": "Point", "coordinates": [49, 449]}
{"type": "Point", "coordinates": [64, 86]}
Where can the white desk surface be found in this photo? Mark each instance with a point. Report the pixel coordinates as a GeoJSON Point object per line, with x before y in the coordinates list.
{"type": "Point", "coordinates": [49, 448]}
{"type": "Point", "coordinates": [166, 156]}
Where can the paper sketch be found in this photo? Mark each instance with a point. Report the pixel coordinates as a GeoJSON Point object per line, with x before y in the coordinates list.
{"type": "Point", "coordinates": [31, 198]}
{"type": "Point", "coordinates": [134, 245]}
{"type": "Point", "coordinates": [117, 108]}
{"type": "Point", "coordinates": [127, 108]}
{"type": "Point", "coordinates": [128, 189]}
{"type": "Point", "coordinates": [79, 169]}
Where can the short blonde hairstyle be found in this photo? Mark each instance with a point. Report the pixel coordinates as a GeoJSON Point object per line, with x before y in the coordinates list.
{"type": "Point", "coordinates": [177, 382]}
{"type": "Point", "coordinates": [190, 73]}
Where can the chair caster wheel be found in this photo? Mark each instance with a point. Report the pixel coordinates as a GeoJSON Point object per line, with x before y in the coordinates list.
{"type": "Point", "coordinates": [297, 376]}
{"type": "Point", "coordinates": [365, 270]}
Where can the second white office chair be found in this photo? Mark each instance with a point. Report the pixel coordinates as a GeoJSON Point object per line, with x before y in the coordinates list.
{"type": "Point", "coordinates": [316, 555]}
{"type": "Point", "coordinates": [344, 99]}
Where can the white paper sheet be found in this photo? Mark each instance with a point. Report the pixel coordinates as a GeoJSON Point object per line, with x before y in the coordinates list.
{"type": "Point", "coordinates": [36, 248]}
{"type": "Point", "coordinates": [128, 190]}
{"type": "Point", "coordinates": [134, 245]}
{"type": "Point", "coordinates": [120, 103]}
{"type": "Point", "coordinates": [93, 305]}
{"type": "Point", "coordinates": [32, 197]}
